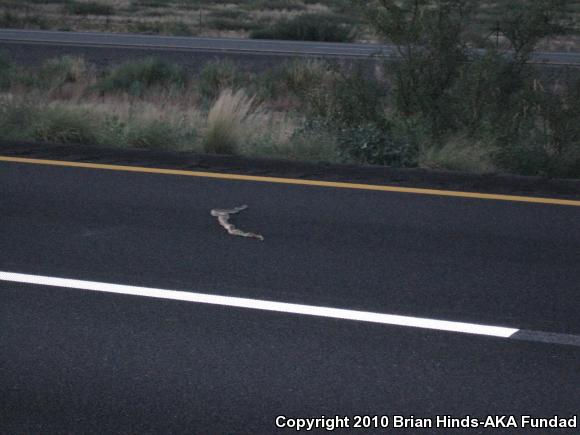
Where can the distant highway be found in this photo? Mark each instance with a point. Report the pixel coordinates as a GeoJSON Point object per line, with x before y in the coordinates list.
{"type": "Point", "coordinates": [227, 45]}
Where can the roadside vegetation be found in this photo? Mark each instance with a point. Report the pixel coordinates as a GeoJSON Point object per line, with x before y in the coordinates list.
{"type": "Point", "coordinates": [439, 106]}
{"type": "Point", "coordinates": [317, 20]}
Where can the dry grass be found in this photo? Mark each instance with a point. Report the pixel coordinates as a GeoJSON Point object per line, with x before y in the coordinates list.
{"type": "Point", "coordinates": [231, 119]}
{"type": "Point", "coordinates": [63, 100]}
{"type": "Point", "coordinates": [235, 18]}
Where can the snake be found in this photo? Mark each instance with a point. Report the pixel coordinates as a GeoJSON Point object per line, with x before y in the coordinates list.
{"type": "Point", "coordinates": [223, 216]}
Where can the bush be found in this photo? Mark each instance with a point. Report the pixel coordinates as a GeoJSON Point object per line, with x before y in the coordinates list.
{"type": "Point", "coordinates": [231, 19]}
{"type": "Point", "coordinates": [305, 143]}
{"type": "Point", "coordinates": [175, 28]}
{"type": "Point", "coordinates": [90, 8]}
{"type": "Point", "coordinates": [58, 71]}
{"type": "Point", "coordinates": [308, 27]}
{"type": "Point", "coordinates": [367, 143]}
{"type": "Point", "coordinates": [16, 119]}
{"type": "Point", "coordinates": [217, 76]}
{"type": "Point", "coordinates": [59, 124]}
{"type": "Point", "coordinates": [348, 100]}
{"type": "Point", "coordinates": [300, 75]}
{"type": "Point", "coordinates": [136, 77]}
{"type": "Point", "coordinates": [6, 70]}
{"type": "Point", "coordinates": [11, 20]}
{"type": "Point", "coordinates": [178, 28]}
{"type": "Point", "coordinates": [459, 154]}
{"type": "Point", "coordinates": [496, 99]}
{"type": "Point", "coordinates": [155, 134]}
{"type": "Point", "coordinates": [288, 5]}
{"type": "Point", "coordinates": [228, 121]}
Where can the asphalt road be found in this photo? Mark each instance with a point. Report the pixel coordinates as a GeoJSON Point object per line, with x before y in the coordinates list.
{"type": "Point", "coordinates": [224, 45]}
{"type": "Point", "coordinates": [77, 361]}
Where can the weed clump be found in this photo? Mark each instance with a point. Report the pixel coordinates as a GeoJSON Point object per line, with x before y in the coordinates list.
{"type": "Point", "coordinates": [309, 27]}
{"type": "Point", "coordinates": [6, 71]}
{"type": "Point", "coordinates": [88, 8]}
{"type": "Point", "coordinates": [494, 100]}
{"type": "Point", "coordinates": [58, 71]}
{"type": "Point", "coordinates": [153, 134]}
{"type": "Point", "coordinates": [60, 124]}
{"type": "Point", "coordinates": [217, 76]}
{"type": "Point", "coordinates": [135, 77]}
{"type": "Point", "coordinates": [16, 118]}
{"type": "Point", "coordinates": [229, 120]}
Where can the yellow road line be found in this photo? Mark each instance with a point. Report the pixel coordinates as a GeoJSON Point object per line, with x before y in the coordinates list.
{"type": "Point", "coordinates": [340, 185]}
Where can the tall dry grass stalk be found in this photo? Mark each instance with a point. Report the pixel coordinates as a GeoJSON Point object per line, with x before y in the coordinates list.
{"type": "Point", "coordinates": [231, 119]}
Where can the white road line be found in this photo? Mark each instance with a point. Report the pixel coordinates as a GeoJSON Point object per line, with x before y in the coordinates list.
{"type": "Point", "coordinates": [282, 307]}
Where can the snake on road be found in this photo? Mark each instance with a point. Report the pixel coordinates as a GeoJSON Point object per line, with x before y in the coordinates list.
{"type": "Point", "coordinates": [224, 220]}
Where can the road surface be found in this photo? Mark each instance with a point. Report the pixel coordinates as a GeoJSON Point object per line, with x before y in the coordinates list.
{"type": "Point", "coordinates": [143, 341]}
{"type": "Point", "coordinates": [224, 45]}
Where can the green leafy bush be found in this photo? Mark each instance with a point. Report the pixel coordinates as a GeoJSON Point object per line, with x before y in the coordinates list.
{"type": "Point", "coordinates": [89, 8]}
{"type": "Point", "coordinates": [6, 70]}
{"type": "Point", "coordinates": [16, 118]}
{"type": "Point", "coordinates": [172, 27]}
{"type": "Point", "coordinates": [491, 98]}
{"type": "Point", "coordinates": [217, 76]}
{"type": "Point", "coordinates": [60, 70]}
{"type": "Point", "coordinates": [136, 77]}
{"type": "Point", "coordinates": [300, 75]}
{"type": "Point", "coordinates": [155, 134]}
{"type": "Point", "coordinates": [60, 124]}
{"type": "Point", "coordinates": [459, 154]}
{"type": "Point", "coordinates": [288, 5]}
{"type": "Point", "coordinates": [352, 100]}
{"type": "Point", "coordinates": [308, 27]}
{"type": "Point", "coordinates": [367, 143]}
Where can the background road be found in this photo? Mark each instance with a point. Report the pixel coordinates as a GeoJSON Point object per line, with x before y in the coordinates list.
{"type": "Point", "coordinates": [77, 361]}
{"type": "Point", "coordinates": [29, 40]}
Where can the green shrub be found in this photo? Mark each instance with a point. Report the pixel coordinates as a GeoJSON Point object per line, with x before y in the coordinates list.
{"type": "Point", "coordinates": [312, 144]}
{"type": "Point", "coordinates": [59, 124]}
{"type": "Point", "coordinates": [48, 1]}
{"type": "Point", "coordinates": [178, 28]}
{"type": "Point", "coordinates": [288, 5]}
{"type": "Point", "coordinates": [137, 76]}
{"type": "Point", "coordinates": [6, 71]}
{"type": "Point", "coordinates": [155, 134]}
{"type": "Point", "coordinates": [348, 99]}
{"type": "Point", "coordinates": [16, 119]}
{"type": "Point", "coordinates": [146, 27]}
{"type": "Point", "coordinates": [300, 75]}
{"type": "Point", "coordinates": [89, 8]}
{"type": "Point", "coordinates": [11, 20]}
{"type": "Point", "coordinates": [501, 100]}
{"type": "Point", "coordinates": [231, 19]}
{"type": "Point", "coordinates": [459, 154]}
{"type": "Point", "coordinates": [232, 14]}
{"type": "Point", "coordinates": [58, 71]}
{"type": "Point", "coordinates": [217, 76]}
{"type": "Point", "coordinates": [308, 27]}
{"type": "Point", "coordinates": [150, 3]}
{"type": "Point", "coordinates": [368, 143]}
{"type": "Point", "coordinates": [222, 23]}
{"type": "Point", "coordinates": [306, 143]}
{"type": "Point", "coordinates": [174, 28]}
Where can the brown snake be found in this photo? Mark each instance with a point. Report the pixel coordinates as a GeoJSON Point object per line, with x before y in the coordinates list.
{"type": "Point", "coordinates": [224, 220]}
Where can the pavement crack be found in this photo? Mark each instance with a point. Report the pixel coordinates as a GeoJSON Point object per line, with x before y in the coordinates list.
{"type": "Point", "coordinates": [224, 220]}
